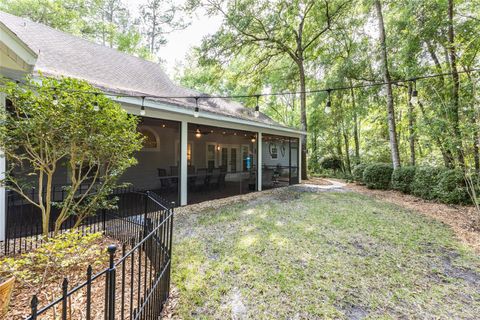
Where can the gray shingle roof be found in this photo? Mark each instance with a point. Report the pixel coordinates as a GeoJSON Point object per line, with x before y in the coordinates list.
{"type": "Point", "coordinates": [62, 54]}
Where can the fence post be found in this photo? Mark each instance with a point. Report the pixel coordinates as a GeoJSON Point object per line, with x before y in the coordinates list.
{"type": "Point", "coordinates": [145, 213]}
{"type": "Point", "coordinates": [104, 217]}
{"type": "Point", "coordinates": [33, 306]}
{"type": "Point", "coordinates": [110, 307]}
{"type": "Point", "coordinates": [64, 298]}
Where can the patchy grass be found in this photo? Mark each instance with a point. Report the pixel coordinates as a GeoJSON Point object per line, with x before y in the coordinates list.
{"type": "Point", "coordinates": [293, 255]}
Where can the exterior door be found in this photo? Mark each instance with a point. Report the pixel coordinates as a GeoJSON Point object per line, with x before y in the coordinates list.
{"type": "Point", "coordinates": [229, 158]}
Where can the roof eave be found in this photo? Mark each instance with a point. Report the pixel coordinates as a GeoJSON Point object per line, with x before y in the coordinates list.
{"type": "Point", "coordinates": [204, 114]}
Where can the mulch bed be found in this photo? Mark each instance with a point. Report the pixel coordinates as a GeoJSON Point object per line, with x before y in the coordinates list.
{"type": "Point", "coordinates": [50, 289]}
{"type": "Point", "coordinates": [460, 218]}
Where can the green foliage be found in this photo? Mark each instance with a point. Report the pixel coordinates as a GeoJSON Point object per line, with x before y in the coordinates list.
{"type": "Point", "coordinates": [425, 181]}
{"type": "Point", "coordinates": [357, 172]}
{"type": "Point", "coordinates": [55, 258]}
{"type": "Point", "coordinates": [331, 162]}
{"type": "Point", "coordinates": [402, 178]}
{"type": "Point", "coordinates": [452, 188]}
{"type": "Point", "coordinates": [378, 176]}
{"type": "Point", "coordinates": [53, 123]}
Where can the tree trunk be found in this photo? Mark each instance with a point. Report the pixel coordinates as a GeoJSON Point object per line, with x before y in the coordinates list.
{"type": "Point", "coordinates": [303, 116]}
{"type": "Point", "coordinates": [392, 131]}
{"type": "Point", "coordinates": [347, 151]}
{"type": "Point", "coordinates": [456, 86]}
{"type": "Point", "coordinates": [411, 125]}
{"type": "Point", "coordinates": [355, 125]}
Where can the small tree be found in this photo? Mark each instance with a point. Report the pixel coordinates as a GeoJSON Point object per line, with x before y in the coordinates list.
{"type": "Point", "coordinates": [53, 123]}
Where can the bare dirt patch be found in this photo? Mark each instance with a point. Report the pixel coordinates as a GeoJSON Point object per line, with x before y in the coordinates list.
{"type": "Point", "coordinates": [459, 218]}
{"type": "Point", "coordinates": [317, 181]}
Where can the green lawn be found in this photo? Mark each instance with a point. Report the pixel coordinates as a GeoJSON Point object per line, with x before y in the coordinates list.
{"type": "Point", "coordinates": [295, 255]}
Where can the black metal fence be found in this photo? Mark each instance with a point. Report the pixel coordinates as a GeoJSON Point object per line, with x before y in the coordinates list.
{"type": "Point", "coordinates": [137, 285]}
{"type": "Point", "coordinates": [23, 228]}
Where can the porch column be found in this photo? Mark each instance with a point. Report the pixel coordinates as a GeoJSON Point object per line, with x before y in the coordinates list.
{"type": "Point", "coordinates": [3, 209]}
{"type": "Point", "coordinates": [183, 163]}
{"type": "Point", "coordinates": [299, 160]}
{"type": "Point", "coordinates": [259, 161]}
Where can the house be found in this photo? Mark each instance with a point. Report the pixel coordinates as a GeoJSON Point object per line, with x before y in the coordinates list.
{"type": "Point", "coordinates": [196, 147]}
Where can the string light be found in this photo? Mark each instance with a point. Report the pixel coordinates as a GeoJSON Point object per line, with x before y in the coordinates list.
{"type": "Point", "coordinates": [142, 109]}
{"type": "Point", "coordinates": [328, 106]}
{"type": "Point", "coordinates": [55, 99]}
{"type": "Point", "coordinates": [95, 104]}
{"type": "Point", "coordinates": [257, 108]}
{"type": "Point", "coordinates": [197, 110]}
{"type": "Point", "coordinates": [320, 90]}
{"type": "Point", "coordinates": [414, 98]}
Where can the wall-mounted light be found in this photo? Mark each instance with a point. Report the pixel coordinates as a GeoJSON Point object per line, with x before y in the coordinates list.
{"type": "Point", "coordinates": [218, 148]}
{"type": "Point", "coordinates": [196, 113]}
{"type": "Point", "coordinates": [142, 108]}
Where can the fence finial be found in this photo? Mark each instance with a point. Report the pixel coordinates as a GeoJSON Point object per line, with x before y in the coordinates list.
{"type": "Point", "coordinates": [111, 251]}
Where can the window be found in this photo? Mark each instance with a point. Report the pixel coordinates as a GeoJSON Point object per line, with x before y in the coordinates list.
{"type": "Point", "coordinates": [210, 156]}
{"type": "Point", "coordinates": [151, 140]}
{"type": "Point", "coordinates": [189, 154]}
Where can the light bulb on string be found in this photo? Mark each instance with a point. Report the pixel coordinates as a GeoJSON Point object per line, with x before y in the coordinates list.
{"type": "Point", "coordinates": [257, 108]}
{"type": "Point", "coordinates": [196, 113]}
{"type": "Point", "coordinates": [328, 105]}
{"type": "Point", "coordinates": [414, 98]}
{"type": "Point", "coordinates": [95, 104]}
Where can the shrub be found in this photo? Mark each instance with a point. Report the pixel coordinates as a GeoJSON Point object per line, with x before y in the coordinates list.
{"type": "Point", "coordinates": [378, 176]}
{"type": "Point", "coordinates": [331, 162]}
{"type": "Point", "coordinates": [451, 187]}
{"type": "Point", "coordinates": [402, 178]}
{"type": "Point", "coordinates": [55, 257]}
{"type": "Point", "coordinates": [357, 172]}
{"type": "Point", "coordinates": [426, 178]}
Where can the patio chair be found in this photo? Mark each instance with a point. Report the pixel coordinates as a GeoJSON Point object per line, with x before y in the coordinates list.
{"type": "Point", "coordinates": [200, 179]}
{"type": "Point", "coordinates": [215, 177]}
{"type": "Point", "coordinates": [268, 178]}
{"type": "Point", "coordinates": [174, 170]}
{"type": "Point", "coordinates": [165, 183]}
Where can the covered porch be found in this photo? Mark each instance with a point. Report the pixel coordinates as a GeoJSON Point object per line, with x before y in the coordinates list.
{"type": "Point", "coordinates": [191, 162]}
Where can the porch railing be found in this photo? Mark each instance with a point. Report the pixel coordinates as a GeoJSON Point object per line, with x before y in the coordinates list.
{"type": "Point", "coordinates": [137, 285]}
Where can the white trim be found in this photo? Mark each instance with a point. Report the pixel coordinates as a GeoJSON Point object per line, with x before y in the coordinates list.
{"type": "Point", "coordinates": [17, 46]}
{"type": "Point", "coordinates": [299, 160]}
{"type": "Point", "coordinates": [259, 161]}
{"type": "Point", "coordinates": [165, 111]}
{"type": "Point", "coordinates": [183, 162]}
{"type": "Point", "coordinates": [3, 209]}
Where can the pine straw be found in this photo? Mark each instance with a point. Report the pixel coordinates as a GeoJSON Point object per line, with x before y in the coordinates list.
{"type": "Point", "coordinates": [50, 290]}
{"type": "Point", "coordinates": [460, 218]}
